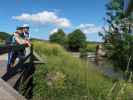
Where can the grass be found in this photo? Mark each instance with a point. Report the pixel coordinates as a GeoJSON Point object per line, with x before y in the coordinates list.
{"type": "Point", "coordinates": [91, 47]}
{"type": "Point", "coordinates": [67, 78]}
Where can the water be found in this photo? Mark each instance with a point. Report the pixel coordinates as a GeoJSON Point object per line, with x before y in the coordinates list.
{"type": "Point", "coordinates": [108, 70]}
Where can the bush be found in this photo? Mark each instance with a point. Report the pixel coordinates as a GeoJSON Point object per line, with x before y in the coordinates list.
{"type": "Point", "coordinates": [76, 40]}
{"type": "Point", "coordinates": [58, 37]}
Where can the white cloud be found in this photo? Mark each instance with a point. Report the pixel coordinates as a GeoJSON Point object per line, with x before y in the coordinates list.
{"type": "Point", "coordinates": [45, 17]}
{"type": "Point", "coordinates": [89, 28]}
{"type": "Point", "coordinates": [53, 31]}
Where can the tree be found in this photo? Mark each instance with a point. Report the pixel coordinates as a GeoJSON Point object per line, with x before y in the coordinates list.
{"type": "Point", "coordinates": [118, 38]}
{"type": "Point", "coordinates": [76, 40]}
{"type": "Point", "coordinates": [58, 37]}
{"type": "Point", "coordinates": [4, 35]}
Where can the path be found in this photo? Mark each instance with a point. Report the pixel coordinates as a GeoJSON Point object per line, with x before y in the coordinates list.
{"type": "Point", "coordinates": [3, 64]}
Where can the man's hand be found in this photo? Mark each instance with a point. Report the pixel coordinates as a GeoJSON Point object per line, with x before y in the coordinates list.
{"type": "Point", "coordinates": [27, 43]}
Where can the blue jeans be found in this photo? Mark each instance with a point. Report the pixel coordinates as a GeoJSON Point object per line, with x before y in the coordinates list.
{"type": "Point", "coordinates": [13, 55]}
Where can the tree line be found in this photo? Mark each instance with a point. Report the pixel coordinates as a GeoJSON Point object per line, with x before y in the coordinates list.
{"type": "Point", "coordinates": [74, 41]}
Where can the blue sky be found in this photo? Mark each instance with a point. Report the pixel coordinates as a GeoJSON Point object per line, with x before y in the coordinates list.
{"type": "Point", "coordinates": [46, 16]}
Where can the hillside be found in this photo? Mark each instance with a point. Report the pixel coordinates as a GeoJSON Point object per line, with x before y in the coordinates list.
{"type": "Point", "coordinates": [64, 77]}
{"type": "Point", "coordinates": [67, 78]}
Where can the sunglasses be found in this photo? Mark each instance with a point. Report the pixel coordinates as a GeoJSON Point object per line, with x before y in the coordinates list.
{"type": "Point", "coordinates": [27, 28]}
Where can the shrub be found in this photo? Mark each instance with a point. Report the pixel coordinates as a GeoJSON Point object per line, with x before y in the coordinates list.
{"type": "Point", "coordinates": [58, 37]}
{"type": "Point", "coordinates": [76, 40]}
{"type": "Point", "coordinates": [118, 38]}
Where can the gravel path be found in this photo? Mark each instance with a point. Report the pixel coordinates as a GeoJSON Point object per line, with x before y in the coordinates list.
{"type": "Point", "coordinates": [3, 64]}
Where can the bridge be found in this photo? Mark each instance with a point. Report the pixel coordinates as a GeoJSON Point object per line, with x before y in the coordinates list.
{"type": "Point", "coordinates": [11, 81]}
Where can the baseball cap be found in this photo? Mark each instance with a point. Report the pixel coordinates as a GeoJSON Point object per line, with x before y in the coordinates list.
{"type": "Point", "coordinates": [26, 26]}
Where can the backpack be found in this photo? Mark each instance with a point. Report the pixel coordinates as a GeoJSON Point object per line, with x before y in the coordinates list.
{"type": "Point", "coordinates": [10, 39]}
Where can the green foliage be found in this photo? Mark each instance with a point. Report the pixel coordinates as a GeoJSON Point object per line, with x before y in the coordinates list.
{"type": "Point", "coordinates": [67, 78]}
{"type": "Point", "coordinates": [121, 90]}
{"type": "Point", "coordinates": [76, 40]}
{"type": "Point", "coordinates": [58, 37]}
{"type": "Point", "coordinates": [3, 36]}
{"type": "Point", "coordinates": [118, 38]}
{"type": "Point", "coordinates": [91, 47]}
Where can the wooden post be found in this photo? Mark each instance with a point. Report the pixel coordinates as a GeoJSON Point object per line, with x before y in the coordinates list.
{"type": "Point", "coordinates": [31, 55]}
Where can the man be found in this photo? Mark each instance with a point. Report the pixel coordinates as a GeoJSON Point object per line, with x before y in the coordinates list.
{"type": "Point", "coordinates": [26, 34]}
{"type": "Point", "coordinates": [19, 38]}
{"type": "Point", "coordinates": [26, 30]}
{"type": "Point", "coordinates": [12, 55]}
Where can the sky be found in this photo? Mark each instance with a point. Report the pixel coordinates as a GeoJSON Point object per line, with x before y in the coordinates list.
{"type": "Point", "coordinates": [46, 16]}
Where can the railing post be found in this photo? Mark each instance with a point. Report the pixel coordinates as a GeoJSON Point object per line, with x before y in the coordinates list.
{"type": "Point", "coordinates": [31, 54]}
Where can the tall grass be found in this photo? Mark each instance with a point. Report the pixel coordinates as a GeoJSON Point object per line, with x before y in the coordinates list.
{"type": "Point", "coordinates": [67, 78]}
